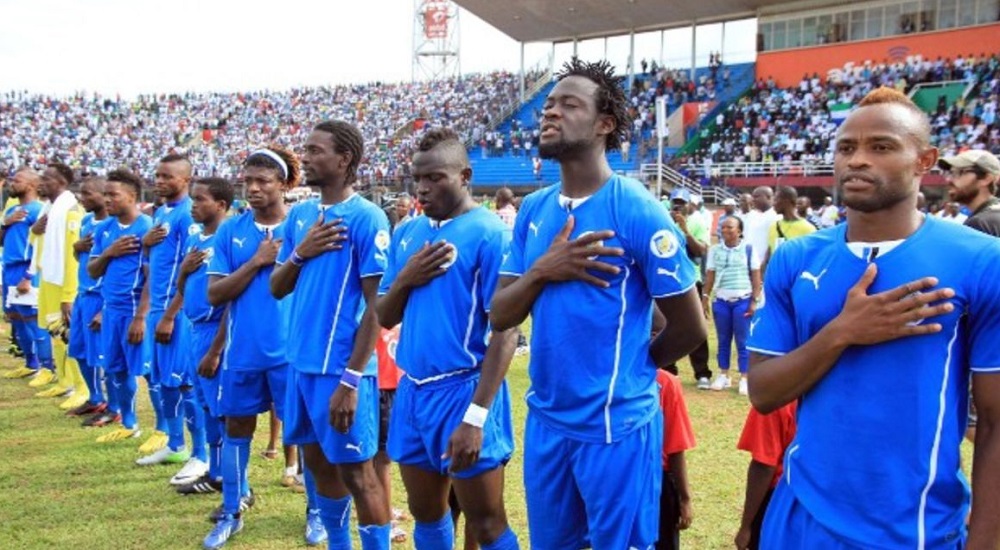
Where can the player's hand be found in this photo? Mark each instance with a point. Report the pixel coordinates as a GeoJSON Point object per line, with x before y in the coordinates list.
{"type": "Point", "coordinates": [464, 446]}
{"type": "Point", "coordinates": [15, 217]}
{"type": "Point", "coordinates": [24, 286]}
{"type": "Point", "coordinates": [751, 309]}
{"type": "Point", "coordinates": [686, 515]}
{"type": "Point", "coordinates": [267, 252]}
{"type": "Point", "coordinates": [123, 246]}
{"type": "Point", "coordinates": [426, 264]}
{"type": "Point", "coordinates": [154, 236]}
{"type": "Point", "coordinates": [322, 237]}
{"type": "Point", "coordinates": [84, 244]}
{"type": "Point", "coordinates": [136, 330]}
{"type": "Point", "coordinates": [876, 318]}
{"type": "Point", "coordinates": [193, 261]}
{"type": "Point", "coordinates": [742, 539]}
{"type": "Point", "coordinates": [680, 220]}
{"type": "Point", "coordinates": [164, 330]}
{"type": "Point", "coordinates": [38, 228]}
{"type": "Point", "coordinates": [95, 323]}
{"type": "Point", "coordinates": [209, 365]}
{"type": "Point", "coordinates": [343, 406]}
{"type": "Point", "coordinates": [568, 260]}
{"type": "Point", "coordinates": [66, 308]}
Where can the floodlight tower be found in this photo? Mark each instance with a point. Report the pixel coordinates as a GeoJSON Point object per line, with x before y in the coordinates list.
{"type": "Point", "coordinates": [435, 40]}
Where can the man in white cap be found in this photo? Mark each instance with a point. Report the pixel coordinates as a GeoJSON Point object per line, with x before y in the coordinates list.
{"type": "Point", "coordinates": [973, 177]}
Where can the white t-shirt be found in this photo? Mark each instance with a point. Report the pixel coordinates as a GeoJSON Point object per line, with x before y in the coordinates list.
{"type": "Point", "coordinates": [758, 227]}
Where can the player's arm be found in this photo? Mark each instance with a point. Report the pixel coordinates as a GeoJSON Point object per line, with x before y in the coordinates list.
{"type": "Point", "coordinates": [678, 467]}
{"type": "Point", "coordinates": [759, 476]}
{"type": "Point", "coordinates": [685, 329]}
{"type": "Point", "coordinates": [70, 264]}
{"type": "Point", "coordinates": [984, 530]}
{"type": "Point", "coordinates": [164, 329]}
{"type": "Point", "coordinates": [98, 264]}
{"type": "Point", "coordinates": [226, 288]}
{"type": "Point", "coordinates": [864, 320]}
{"type": "Point", "coordinates": [344, 401]}
{"type": "Point", "coordinates": [137, 328]}
{"type": "Point", "coordinates": [208, 365]}
{"type": "Point", "coordinates": [565, 260]}
{"type": "Point", "coordinates": [418, 271]}
{"type": "Point", "coordinates": [319, 239]}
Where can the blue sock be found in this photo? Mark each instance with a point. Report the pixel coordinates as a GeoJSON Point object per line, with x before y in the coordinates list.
{"type": "Point", "coordinates": [42, 345]}
{"type": "Point", "coordinates": [506, 541]}
{"type": "Point", "coordinates": [214, 428]}
{"type": "Point", "coordinates": [111, 390]}
{"type": "Point", "coordinates": [171, 399]}
{"type": "Point", "coordinates": [439, 535]}
{"type": "Point", "coordinates": [336, 516]}
{"type": "Point", "coordinates": [375, 537]}
{"type": "Point", "coordinates": [235, 455]}
{"type": "Point", "coordinates": [126, 387]}
{"type": "Point", "coordinates": [89, 373]}
{"type": "Point", "coordinates": [310, 482]}
{"type": "Point", "coordinates": [157, 401]}
{"type": "Point", "coordinates": [194, 417]}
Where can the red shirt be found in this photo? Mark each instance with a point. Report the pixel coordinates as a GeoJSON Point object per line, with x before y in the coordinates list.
{"type": "Point", "coordinates": [678, 436]}
{"type": "Point", "coordinates": [766, 436]}
{"type": "Point", "coordinates": [385, 348]}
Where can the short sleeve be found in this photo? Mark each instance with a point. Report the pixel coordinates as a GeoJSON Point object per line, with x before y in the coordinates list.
{"type": "Point", "coordinates": [678, 435]}
{"type": "Point", "coordinates": [372, 243]}
{"type": "Point", "coordinates": [512, 259]}
{"type": "Point", "coordinates": [772, 237]}
{"type": "Point", "coordinates": [491, 256]}
{"type": "Point", "coordinates": [100, 243]}
{"type": "Point", "coordinates": [765, 436]}
{"type": "Point", "coordinates": [287, 236]}
{"type": "Point", "coordinates": [391, 269]}
{"type": "Point", "coordinates": [755, 259]}
{"type": "Point", "coordinates": [984, 312]}
{"type": "Point", "coordinates": [222, 259]}
{"type": "Point", "coordinates": [772, 329]}
{"type": "Point", "coordinates": [657, 246]}
{"type": "Point", "coordinates": [710, 258]}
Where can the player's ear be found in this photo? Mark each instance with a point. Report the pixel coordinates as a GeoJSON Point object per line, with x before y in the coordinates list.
{"type": "Point", "coordinates": [927, 160]}
{"type": "Point", "coordinates": [466, 176]}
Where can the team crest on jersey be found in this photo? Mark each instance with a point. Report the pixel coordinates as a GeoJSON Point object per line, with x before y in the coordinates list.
{"type": "Point", "coordinates": [907, 297]}
{"type": "Point", "coordinates": [165, 226]}
{"type": "Point", "coordinates": [382, 240]}
{"type": "Point", "coordinates": [452, 256]}
{"type": "Point", "coordinates": [209, 253]}
{"type": "Point", "coordinates": [664, 244]}
{"type": "Point", "coordinates": [73, 225]}
{"type": "Point", "coordinates": [595, 244]}
{"type": "Point", "coordinates": [194, 229]}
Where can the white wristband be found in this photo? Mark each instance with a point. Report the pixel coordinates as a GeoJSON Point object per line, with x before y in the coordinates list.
{"type": "Point", "coordinates": [475, 415]}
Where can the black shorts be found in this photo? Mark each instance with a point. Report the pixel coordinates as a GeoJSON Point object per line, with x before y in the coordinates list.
{"type": "Point", "coordinates": [385, 400]}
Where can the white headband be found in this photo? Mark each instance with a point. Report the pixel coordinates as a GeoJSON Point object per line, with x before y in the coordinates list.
{"type": "Point", "coordinates": [273, 156]}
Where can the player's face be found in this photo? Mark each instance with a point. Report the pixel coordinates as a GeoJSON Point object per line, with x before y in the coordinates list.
{"type": "Point", "coordinates": [441, 182]}
{"type": "Point", "coordinates": [570, 121]}
{"type": "Point", "coordinates": [91, 196]}
{"type": "Point", "coordinates": [265, 187]}
{"type": "Point", "coordinates": [878, 162]}
{"type": "Point", "coordinates": [321, 163]}
{"type": "Point", "coordinates": [204, 208]}
{"type": "Point", "coordinates": [172, 179]}
{"type": "Point", "coordinates": [963, 185]}
{"type": "Point", "coordinates": [20, 184]}
{"type": "Point", "coordinates": [52, 182]}
{"type": "Point", "coordinates": [119, 198]}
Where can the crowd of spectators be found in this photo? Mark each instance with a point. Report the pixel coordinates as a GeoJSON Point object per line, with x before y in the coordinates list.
{"type": "Point", "coordinates": [95, 134]}
{"type": "Point", "coordinates": [797, 124]}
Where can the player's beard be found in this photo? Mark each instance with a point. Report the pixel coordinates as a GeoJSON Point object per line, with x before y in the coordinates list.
{"type": "Point", "coordinates": [563, 149]}
{"type": "Point", "coordinates": [883, 197]}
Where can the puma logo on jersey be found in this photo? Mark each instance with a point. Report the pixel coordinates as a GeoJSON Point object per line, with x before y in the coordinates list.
{"type": "Point", "coordinates": [353, 447]}
{"type": "Point", "coordinates": [404, 242]}
{"type": "Point", "coordinates": [673, 274]}
{"type": "Point", "coordinates": [814, 278]}
{"type": "Point", "coordinates": [503, 259]}
{"type": "Point", "coordinates": [534, 228]}
{"type": "Point", "coordinates": [300, 224]}
{"type": "Point", "coordinates": [239, 242]}
{"type": "Point", "coordinates": [753, 325]}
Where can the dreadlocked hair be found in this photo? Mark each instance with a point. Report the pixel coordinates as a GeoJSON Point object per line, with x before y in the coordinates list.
{"type": "Point", "coordinates": [609, 98]}
{"type": "Point", "coordinates": [291, 161]}
{"type": "Point", "coordinates": [347, 139]}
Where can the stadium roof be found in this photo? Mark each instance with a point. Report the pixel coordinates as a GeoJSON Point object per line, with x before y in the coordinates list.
{"type": "Point", "coordinates": [564, 20]}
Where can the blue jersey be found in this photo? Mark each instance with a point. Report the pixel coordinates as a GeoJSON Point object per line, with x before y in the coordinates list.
{"type": "Point", "coordinates": [592, 377]}
{"type": "Point", "coordinates": [876, 456]}
{"type": "Point", "coordinates": [328, 302]}
{"type": "Point", "coordinates": [123, 278]}
{"type": "Point", "coordinates": [196, 306]}
{"type": "Point", "coordinates": [89, 226]}
{"type": "Point", "coordinates": [165, 258]}
{"type": "Point", "coordinates": [257, 329]}
{"type": "Point", "coordinates": [449, 314]}
{"type": "Point", "coordinates": [16, 248]}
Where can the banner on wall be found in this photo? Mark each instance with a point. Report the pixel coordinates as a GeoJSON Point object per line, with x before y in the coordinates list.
{"type": "Point", "coordinates": [436, 18]}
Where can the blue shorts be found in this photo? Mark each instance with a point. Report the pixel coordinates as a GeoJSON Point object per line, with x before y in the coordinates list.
{"type": "Point", "coordinates": [308, 417]}
{"type": "Point", "coordinates": [207, 389]}
{"type": "Point", "coordinates": [582, 494]}
{"type": "Point", "coordinates": [424, 417]}
{"type": "Point", "coordinates": [787, 524]}
{"type": "Point", "coordinates": [85, 343]}
{"type": "Point", "coordinates": [119, 355]}
{"type": "Point", "coordinates": [170, 361]}
{"type": "Point", "coordinates": [251, 392]}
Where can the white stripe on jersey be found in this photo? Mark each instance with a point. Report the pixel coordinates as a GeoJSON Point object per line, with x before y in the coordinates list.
{"type": "Point", "coordinates": [336, 312]}
{"type": "Point", "coordinates": [472, 317]}
{"type": "Point", "coordinates": [618, 358]}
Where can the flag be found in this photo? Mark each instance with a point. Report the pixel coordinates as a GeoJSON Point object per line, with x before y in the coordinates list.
{"type": "Point", "coordinates": [839, 111]}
